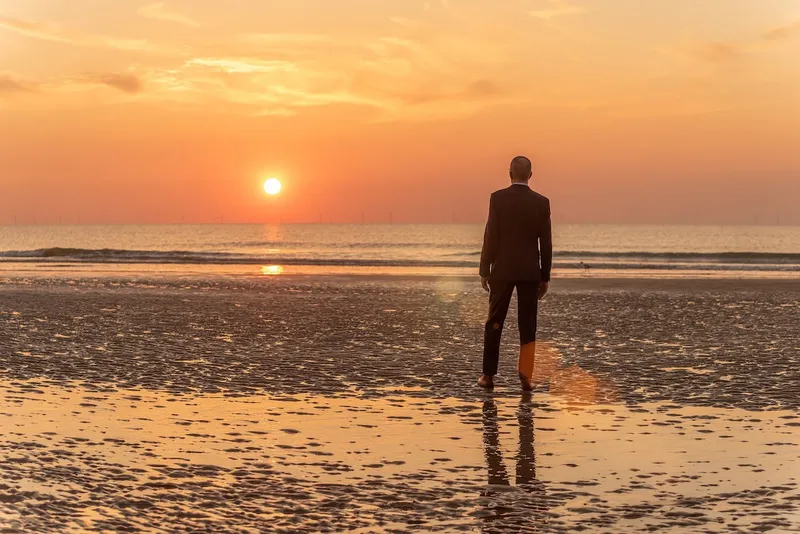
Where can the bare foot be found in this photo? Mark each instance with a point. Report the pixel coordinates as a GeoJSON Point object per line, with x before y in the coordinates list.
{"type": "Point", "coordinates": [526, 384]}
{"type": "Point", "coordinates": [486, 382]}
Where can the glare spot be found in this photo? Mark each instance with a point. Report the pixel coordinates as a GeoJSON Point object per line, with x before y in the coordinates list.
{"type": "Point", "coordinates": [272, 270]}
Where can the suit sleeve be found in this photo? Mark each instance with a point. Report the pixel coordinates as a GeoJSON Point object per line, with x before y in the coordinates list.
{"type": "Point", "coordinates": [489, 236]}
{"type": "Point", "coordinates": [546, 244]}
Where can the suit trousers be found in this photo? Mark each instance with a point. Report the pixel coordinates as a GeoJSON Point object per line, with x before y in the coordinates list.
{"type": "Point", "coordinates": [500, 295]}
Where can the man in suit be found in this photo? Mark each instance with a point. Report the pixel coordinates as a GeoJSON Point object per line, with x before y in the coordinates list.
{"type": "Point", "coordinates": [517, 253]}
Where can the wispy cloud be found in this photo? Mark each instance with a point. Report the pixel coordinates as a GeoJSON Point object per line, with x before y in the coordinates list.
{"type": "Point", "coordinates": [484, 89]}
{"type": "Point", "coordinates": [47, 31]}
{"type": "Point", "coordinates": [783, 32]}
{"type": "Point", "coordinates": [12, 84]}
{"type": "Point", "coordinates": [242, 65]}
{"type": "Point", "coordinates": [301, 98]}
{"type": "Point", "coordinates": [407, 23]}
{"type": "Point", "coordinates": [723, 51]}
{"type": "Point", "coordinates": [450, 70]}
{"type": "Point", "coordinates": [158, 11]}
{"type": "Point", "coordinates": [556, 9]}
{"type": "Point", "coordinates": [457, 100]}
{"type": "Point", "coordinates": [286, 38]}
{"type": "Point", "coordinates": [127, 83]}
{"type": "Point", "coordinates": [276, 112]}
{"type": "Point", "coordinates": [716, 52]}
{"type": "Point", "coordinates": [38, 30]}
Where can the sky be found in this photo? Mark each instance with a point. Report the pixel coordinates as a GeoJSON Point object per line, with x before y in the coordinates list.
{"type": "Point", "coordinates": [633, 111]}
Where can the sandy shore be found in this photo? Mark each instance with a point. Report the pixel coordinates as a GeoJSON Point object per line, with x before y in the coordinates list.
{"type": "Point", "coordinates": [339, 404]}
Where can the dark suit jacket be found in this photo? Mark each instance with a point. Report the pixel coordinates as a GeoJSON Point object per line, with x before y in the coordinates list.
{"type": "Point", "coordinates": [518, 242]}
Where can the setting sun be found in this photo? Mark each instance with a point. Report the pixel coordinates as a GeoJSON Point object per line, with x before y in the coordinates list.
{"type": "Point", "coordinates": [273, 186]}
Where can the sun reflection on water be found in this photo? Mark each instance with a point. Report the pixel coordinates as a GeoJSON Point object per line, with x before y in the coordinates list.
{"type": "Point", "coordinates": [272, 270]}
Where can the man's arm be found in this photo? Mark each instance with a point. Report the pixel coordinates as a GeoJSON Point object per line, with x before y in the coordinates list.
{"type": "Point", "coordinates": [546, 244]}
{"type": "Point", "coordinates": [487, 253]}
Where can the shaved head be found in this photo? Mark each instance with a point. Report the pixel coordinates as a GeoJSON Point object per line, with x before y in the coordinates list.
{"type": "Point", "coordinates": [521, 169]}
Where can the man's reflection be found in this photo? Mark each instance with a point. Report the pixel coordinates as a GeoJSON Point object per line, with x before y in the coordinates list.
{"type": "Point", "coordinates": [527, 502]}
{"type": "Point", "coordinates": [491, 443]}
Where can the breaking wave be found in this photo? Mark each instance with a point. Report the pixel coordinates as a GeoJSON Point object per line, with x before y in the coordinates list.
{"type": "Point", "coordinates": [733, 261]}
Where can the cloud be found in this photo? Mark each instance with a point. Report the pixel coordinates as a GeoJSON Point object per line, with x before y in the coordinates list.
{"type": "Point", "coordinates": [47, 31]}
{"type": "Point", "coordinates": [407, 23]}
{"type": "Point", "coordinates": [157, 11]}
{"type": "Point", "coordinates": [302, 98]}
{"type": "Point", "coordinates": [242, 65]}
{"type": "Point", "coordinates": [716, 52]}
{"type": "Point", "coordinates": [10, 84]}
{"type": "Point", "coordinates": [557, 8]}
{"type": "Point", "coordinates": [276, 112]}
{"type": "Point", "coordinates": [272, 39]}
{"type": "Point", "coordinates": [782, 32]}
{"type": "Point", "coordinates": [127, 83]}
{"type": "Point", "coordinates": [448, 71]}
{"type": "Point", "coordinates": [38, 30]}
{"type": "Point", "coordinates": [259, 86]}
{"type": "Point", "coordinates": [478, 92]}
{"type": "Point", "coordinates": [722, 51]}
{"type": "Point", "coordinates": [484, 89]}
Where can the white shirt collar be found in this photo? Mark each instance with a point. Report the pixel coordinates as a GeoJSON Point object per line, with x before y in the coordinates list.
{"type": "Point", "coordinates": [520, 183]}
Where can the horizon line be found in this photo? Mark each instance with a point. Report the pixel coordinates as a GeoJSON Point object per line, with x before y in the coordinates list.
{"type": "Point", "coordinates": [386, 223]}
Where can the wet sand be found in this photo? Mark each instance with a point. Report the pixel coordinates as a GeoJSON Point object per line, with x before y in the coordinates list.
{"type": "Point", "coordinates": [347, 404]}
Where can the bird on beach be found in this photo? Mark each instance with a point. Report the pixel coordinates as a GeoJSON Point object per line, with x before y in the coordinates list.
{"type": "Point", "coordinates": [586, 268]}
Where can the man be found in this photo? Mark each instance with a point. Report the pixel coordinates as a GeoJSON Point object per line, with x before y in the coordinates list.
{"type": "Point", "coordinates": [517, 253]}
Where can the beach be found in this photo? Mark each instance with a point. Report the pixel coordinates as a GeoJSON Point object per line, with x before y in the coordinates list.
{"type": "Point", "coordinates": [256, 259]}
{"type": "Point", "coordinates": [348, 404]}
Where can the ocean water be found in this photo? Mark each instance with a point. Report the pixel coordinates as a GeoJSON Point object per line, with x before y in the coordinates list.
{"type": "Point", "coordinates": [580, 250]}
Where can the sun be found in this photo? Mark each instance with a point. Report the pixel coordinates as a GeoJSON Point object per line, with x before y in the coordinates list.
{"type": "Point", "coordinates": [273, 186]}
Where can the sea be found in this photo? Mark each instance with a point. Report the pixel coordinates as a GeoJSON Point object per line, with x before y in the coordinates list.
{"type": "Point", "coordinates": [399, 249]}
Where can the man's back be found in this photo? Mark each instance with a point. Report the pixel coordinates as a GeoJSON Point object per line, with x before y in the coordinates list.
{"type": "Point", "coordinates": [517, 254]}
{"type": "Point", "coordinates": [517, 242]}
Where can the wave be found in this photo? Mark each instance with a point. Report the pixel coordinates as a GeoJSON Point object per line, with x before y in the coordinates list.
{"type": "Point", "coordinates": [688, 257]}
{"type": "Point", "coordinates": [356, 245]}
{"type": "Point", "coordinates": [116, 255]}
{"type": "Point", "coordinates": [728, 261]}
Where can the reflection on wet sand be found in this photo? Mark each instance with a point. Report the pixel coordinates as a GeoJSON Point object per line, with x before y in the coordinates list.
{"type": "Point", "coordinates": [272, 270]}
{"type": "Point", "coordinates": [499, 484]}
{"type": "Point", "coordinates": [293, 406]}
{"type": "Point", "coordinates": [74, 459]}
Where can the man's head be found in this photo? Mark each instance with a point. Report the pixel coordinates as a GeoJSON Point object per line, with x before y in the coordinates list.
{"type": "Point", "coordinates": [521, 169]}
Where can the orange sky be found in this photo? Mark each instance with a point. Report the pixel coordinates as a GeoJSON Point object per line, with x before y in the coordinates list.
{"type": "Point", "coordinates": [634, 111]}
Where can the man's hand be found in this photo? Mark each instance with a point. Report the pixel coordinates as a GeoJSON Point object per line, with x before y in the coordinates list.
{"type": "Point", "coordinates": [543, 288]}
{"type": "Point", "coordinates": [485, 283]}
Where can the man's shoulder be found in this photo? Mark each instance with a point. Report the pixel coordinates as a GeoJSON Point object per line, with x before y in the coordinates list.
{"type": "Point", "coordinates": [499, 193]}
{"type": "Point", "coordinates": [540, 197]}
{"type": "Point", "coordinates": [508, 191]}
